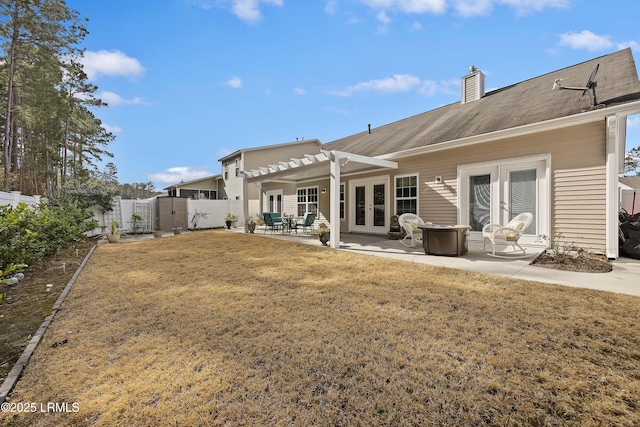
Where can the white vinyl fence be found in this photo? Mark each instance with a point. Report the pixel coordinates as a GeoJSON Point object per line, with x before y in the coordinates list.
{"type": "Point", "coordinates": [15, 197]}
{"type": "Point", "coordinates": [211, 213]}
{"type": "Point", "coordinates": [200, 214]}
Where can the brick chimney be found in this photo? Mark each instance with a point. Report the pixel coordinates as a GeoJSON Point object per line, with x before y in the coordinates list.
{"type": "Point", "coordinates": [472, 85]}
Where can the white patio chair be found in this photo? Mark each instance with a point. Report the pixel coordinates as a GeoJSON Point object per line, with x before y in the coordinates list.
{"type": "Point", "coordinates": [498, 235]}
{"type": "Point", "coordinates": [409, 223]}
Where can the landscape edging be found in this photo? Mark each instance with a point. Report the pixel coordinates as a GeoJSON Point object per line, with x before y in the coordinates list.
{"type": "Point", "coordinates": [16, 372]}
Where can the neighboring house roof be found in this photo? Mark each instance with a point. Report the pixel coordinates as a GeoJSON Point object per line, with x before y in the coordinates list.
{"type": "Point", "coordinates": [631, 181]}
{"type": "Point", "coordinates": [268, 147]}
{"type": "Point", "coordinates": [528, 102]}
{"type": "Point", "coordinates": [182, 184]}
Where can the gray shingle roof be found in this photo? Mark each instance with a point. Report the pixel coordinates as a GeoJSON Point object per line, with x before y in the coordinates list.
{"type": "Point", "coordinates": [527, 102]}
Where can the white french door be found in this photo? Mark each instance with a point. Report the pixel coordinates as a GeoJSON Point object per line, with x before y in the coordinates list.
{"type": "Point", "coordinates": [497, 192]}
{"type": "Point", "coordinates": [274, 201]}
{"type": "Point", "coordinates": [369, 205]}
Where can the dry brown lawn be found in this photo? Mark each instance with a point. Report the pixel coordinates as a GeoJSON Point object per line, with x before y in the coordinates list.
{"type": "Point", "coordinates": [220, 328]}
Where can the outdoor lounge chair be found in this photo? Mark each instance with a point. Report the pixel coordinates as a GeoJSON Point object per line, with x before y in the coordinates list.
{"type": "Point", "coordinates": [307, 221]}
{"type": "Point", "coordinates": [272, 220]}
{"type": "Point", "coordinates": [409, 223]}
{"type": "Point", "coordinates": [498, 235]}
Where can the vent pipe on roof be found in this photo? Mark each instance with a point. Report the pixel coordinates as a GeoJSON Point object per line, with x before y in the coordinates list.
{"type": "Point", "coordinates": [472, 85]}
{"type": "Point", "coordinates": [369, 128]}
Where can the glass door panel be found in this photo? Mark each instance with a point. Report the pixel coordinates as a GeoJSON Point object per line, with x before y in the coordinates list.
{"type": "Point", "coordinates": [479, 201]}
{"type": "Point", "coordinates": [522, 195]}
{"type": "Point", "coordinates": [361, 205]}
{"type": "Point", "coordinates": [379, 199]}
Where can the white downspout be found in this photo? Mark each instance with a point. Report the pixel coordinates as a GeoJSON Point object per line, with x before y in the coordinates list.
{"type": "Point", "coordinates": [334, 198]}
{"type": "Point", "coordinates": [615, 147]}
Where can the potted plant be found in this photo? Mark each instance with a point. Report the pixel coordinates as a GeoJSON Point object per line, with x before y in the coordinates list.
{"type": "Point", "coordinates": [114, 236]}
{"type": "Point", "coordinates": [323, 234]}
{"type": "Point", "coordinates": [135, 221]}
{"type": "Point", "coordinates": [157, 232]}
{"type": "Point", "coordinates": [230, 219]}
{"type": "Point", "coordinates": [251, 225]}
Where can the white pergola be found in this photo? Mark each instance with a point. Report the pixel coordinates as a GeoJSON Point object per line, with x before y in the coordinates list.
{"type": "Point", "coordinates": [332, 164]}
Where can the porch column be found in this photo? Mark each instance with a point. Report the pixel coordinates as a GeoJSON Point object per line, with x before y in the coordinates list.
{"type": "Point", "coordinates": [334, 197]}
{"type": "Point", "coordinates": [615, 148]}
{"type": "Point", "coordinates": [245, 203]}
{"type": "Point", "coordinates": [260, 199]}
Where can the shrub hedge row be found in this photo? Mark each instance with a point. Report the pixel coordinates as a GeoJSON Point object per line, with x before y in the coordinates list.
{"type": "Point", "coordinates": [28, 234]}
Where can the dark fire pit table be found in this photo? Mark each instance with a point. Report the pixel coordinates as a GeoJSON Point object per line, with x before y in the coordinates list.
{"type": "Point", "coordinates": [448, 240]}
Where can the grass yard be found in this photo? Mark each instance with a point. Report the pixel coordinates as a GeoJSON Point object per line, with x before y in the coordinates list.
{"type": "Point", "coordinates": [221, 328]}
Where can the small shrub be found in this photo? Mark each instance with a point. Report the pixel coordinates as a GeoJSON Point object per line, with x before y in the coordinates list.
{"type": "Point", "coordinates": [30, 233]}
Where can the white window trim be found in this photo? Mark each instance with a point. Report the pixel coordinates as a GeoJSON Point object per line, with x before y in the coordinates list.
{"type": "Point", "coordinates": [307, 202]}
{"type": "Point", "coordinates": [395, 198]}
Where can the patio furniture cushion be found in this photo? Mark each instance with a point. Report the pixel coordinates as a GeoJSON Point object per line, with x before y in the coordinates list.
{"type": "Point", "coordinates": [272, 220]}
{"type": "Point", "coordinates": [409, 223]}
{"type": "Point", "coordinates": [497, 235]}
{"type": "Point", "coordinates": [307, 221]}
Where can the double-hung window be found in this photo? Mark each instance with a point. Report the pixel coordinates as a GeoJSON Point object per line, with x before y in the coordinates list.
{"type": "Point", "coordinates": [407, 194]}
{"type": "Point", "coordinates": [307, 200]}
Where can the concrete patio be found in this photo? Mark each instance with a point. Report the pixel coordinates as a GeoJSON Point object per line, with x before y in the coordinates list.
{"type": "Point", "coordinates": [625, 277]}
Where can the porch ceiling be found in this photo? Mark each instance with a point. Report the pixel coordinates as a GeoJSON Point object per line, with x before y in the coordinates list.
{"type": "Point", "coordinates": [317, 166]}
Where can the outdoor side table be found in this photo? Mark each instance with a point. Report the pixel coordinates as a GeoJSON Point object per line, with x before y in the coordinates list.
{"type": "Point", "coordinates": [448, 240]}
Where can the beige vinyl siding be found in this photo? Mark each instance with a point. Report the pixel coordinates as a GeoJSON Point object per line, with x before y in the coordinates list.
{"type": "Point", "coordinates": [290, 197]}
{"type": "Point", "coordinates": [576, 188]}
{"type": "Point", "coordinates": [577, 163]}
{"type": "Point", "coordinates": [579, 200]}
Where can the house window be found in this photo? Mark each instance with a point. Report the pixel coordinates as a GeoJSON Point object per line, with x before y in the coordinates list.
{"type": "Point", "coordinates": [237, 167]}
{"type": "Point", "coordinates": [226, 171]}
{"type": "Point", "coordinates": [341, 201]}
{"type": "Point", "coordinates": [307, 200]}
{"type": "Point", "coordinates": [407, 194]}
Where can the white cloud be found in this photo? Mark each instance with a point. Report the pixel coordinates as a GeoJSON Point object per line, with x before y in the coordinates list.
{"type": "Point", "coordinates": [473, 7]}
{"type": "Point", "coordinates": [330, 7]}
{"type": "Point", "coordinates": [408, 6]}
{"type": "Point", "coordinates": [397, 83]}
{"type": "Point", "coordinates": [632, 44]}
{"type": "Point", "coordinates": [114, 99]}
{"type": "Point", "coordinates": [633, 122]}
{"type": "Point", "coordinates": [463, 7]}
{"type": "Point", "coordinates": [300, 91]}
{"type": "Point", "coordinates": [383, 18]}
{"type": "Point", "coordinates": [249, 10]}
{"type": "Point", "coordinates": [178, 174]}
{"type": "Point", "coordinates": [235, 82]}
{"type": "Point", "coordinates": [586, 40]}
{"type": "Point", "coordinates": [524, 7]}
{"type": "Point", "coordinates": [401, 83]}
{"type": "Point", "coordinates": [416, 26]}
{"type": "Point", "coordinates": [112, 129]}
{"type": "Point", "coordinates": [110, 63]}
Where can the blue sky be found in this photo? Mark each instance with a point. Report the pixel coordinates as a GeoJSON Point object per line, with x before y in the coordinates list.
{"type": "Point", "coordinates": [189, 81]}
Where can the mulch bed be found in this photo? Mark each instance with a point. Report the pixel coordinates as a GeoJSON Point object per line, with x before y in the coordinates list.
{"type": "Point", "coordinates": [585, 262]}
